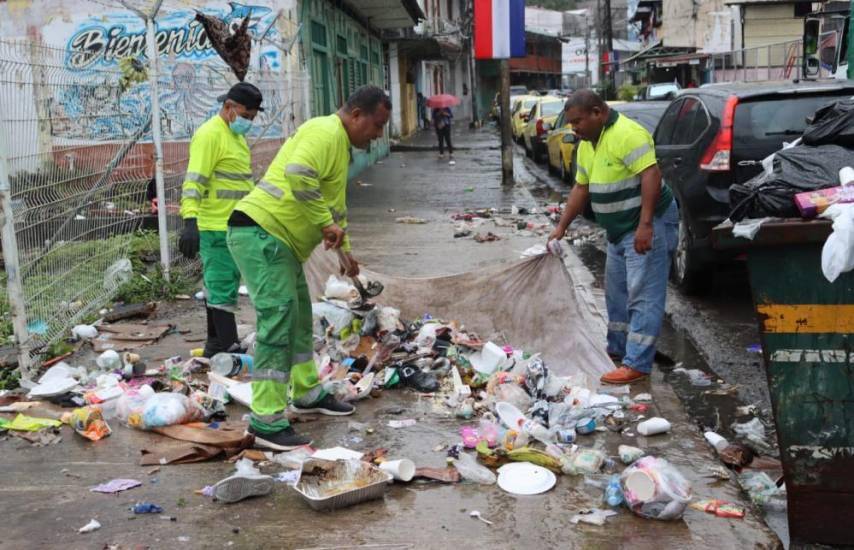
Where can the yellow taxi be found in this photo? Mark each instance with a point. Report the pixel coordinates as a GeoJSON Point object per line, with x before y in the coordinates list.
{"type": "Point", "coordinates": [543, 115]}
{"type": "Point", "coordinates": [519, 114]}
{"type": "Point", "coordinates": [560, 145]}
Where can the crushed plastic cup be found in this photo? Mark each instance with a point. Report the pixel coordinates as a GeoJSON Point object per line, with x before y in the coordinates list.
{"type": "Point", "coordinates": [402, 469]}
{"type": "Point", "coordinates": [654, 426]}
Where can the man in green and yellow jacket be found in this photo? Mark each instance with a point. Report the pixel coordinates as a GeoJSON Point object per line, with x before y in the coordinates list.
{"type": "Point", "coordinates": [219, 174]}
{"type": "Point", "coordinates": [299, 203]}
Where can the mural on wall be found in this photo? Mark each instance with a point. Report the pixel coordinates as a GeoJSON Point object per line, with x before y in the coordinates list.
{"type": "Point", "coordinates": [92, 106]}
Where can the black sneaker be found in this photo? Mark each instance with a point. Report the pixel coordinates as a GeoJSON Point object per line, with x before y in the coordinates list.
{"type": "Point", "coordinates": [328, 406]}
{"type": "Point", "coordinates": [283, 440]}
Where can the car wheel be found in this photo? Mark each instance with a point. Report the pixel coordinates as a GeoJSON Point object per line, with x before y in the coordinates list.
{"type": "Point", "coordinates": [687, 273]}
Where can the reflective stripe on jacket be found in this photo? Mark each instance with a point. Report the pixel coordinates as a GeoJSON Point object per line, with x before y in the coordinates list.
{"type": "Point", "coordinates": [219, 174]}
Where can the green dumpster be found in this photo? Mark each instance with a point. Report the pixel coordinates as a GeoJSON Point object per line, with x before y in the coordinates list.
{"type": "Point", "coordinates": [807, 331]}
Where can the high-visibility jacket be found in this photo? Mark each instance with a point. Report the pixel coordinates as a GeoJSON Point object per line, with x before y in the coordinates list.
{"type": "Point", "coordinates": [305, 188]}
{"type": "Point", "coordinates": [219, 174]}
{"type": "Point", "coordinates": [612, 170]}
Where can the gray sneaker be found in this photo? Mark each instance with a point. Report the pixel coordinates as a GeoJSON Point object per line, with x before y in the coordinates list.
{"type": "Point", "coordinates": [239, 487]}
{"type": "Point", "coordinates": [328, 406]}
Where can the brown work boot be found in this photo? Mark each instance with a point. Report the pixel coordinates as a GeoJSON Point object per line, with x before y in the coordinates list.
{"type": "Point", "coordinates": [622, 375]}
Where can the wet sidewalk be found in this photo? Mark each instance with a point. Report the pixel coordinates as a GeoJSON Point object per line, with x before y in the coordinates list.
{"type": "Point", "coordinates": [45, 491]}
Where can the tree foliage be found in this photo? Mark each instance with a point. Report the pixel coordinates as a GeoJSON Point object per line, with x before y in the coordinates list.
{"type": "Point", "coordinates": [559, 5]}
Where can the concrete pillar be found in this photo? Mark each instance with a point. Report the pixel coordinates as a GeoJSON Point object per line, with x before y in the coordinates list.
{"type": "Point", "coordinates": [394, 80]}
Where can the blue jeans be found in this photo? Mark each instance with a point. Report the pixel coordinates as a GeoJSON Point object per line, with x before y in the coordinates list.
{"type": "Point", "coordinates": [635, 291]}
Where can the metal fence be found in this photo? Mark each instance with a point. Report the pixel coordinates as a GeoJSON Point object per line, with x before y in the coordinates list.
{"type": "Point", "coordinates": [78, 152]}
{"type": "Point", "coordinates": [781, 61]}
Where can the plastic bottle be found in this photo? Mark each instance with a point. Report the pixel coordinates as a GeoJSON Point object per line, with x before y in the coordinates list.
{"type": "Point", "coordinates": [613, 492]}
{"type": "Point", "coordinates": [230, 364]}
{"type": "Point", "coordinates": [538, 432]}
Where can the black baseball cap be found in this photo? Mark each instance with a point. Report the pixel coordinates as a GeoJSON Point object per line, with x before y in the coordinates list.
{"type": "Point", "coordinates": [246, 94]}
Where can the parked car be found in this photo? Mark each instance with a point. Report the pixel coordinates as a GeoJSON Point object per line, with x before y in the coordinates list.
{"type": "Point", "coordinates": [560, 145]}
{"type": "Point", "coordinates": [519, 114]}
{"type": "Point", "coordinates": [710, 138]}
{"type": "Point", "coordinates": [662, 91]}
{"type": "Point", "coordinates": [518, 90]}
{"type": "Point", "coordinates": [542, 118]}
{"type": "Point", "coordinates": [645, 113]}
{"type": "Point", "coordinates": [495, 111]}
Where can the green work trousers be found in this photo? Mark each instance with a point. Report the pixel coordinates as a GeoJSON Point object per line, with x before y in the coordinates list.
{"type": "Point", "coordinates": [221, 276]}
{"type": "Point", "coordinates": [284, 367]}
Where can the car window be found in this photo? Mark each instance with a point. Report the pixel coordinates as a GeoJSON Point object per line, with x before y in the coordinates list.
{"type": "Point", "coordinates": [647, 118]}
{"type": "Point", "coordinates": [529, 103]}
{"type": "Point", "coordinates": [777, 120]}
{"type": "Point", "coordinates": [551, 108]}
{"type": "Point", "coordinates": [661, 90]}
{"type": "Point", "coordinates": [664, 131]}
{"type": "Point", "coordinates": [516, 106]}
{"type": "Point", "coordinates": [691, 122]}
{"type": "Point", "coordinates": [559, 121]}
{"type": "Point", "coordinates": [534, 111]}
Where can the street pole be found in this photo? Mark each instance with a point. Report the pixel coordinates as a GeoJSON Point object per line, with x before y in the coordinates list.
{"type": "Point", "coordinates": [475, 117]}
{"type": "Point", "coordinates": [609, 47]}
{"type": "Point", "coordinates": [850, 42]}
{"type": "Point", "coordinates": [587, 76]}
{"type": "Point", "coordinates": [157, 138]}
{"type": "Point", "coordinates": [506, 134]}
{"type": "Point", "coordinates": [14, 282]}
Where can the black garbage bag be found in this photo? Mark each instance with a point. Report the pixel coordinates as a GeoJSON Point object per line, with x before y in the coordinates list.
{"type": "Point", "coordinates": [832, 124]}
{"type": "Point", "coordinates": [797, 169]}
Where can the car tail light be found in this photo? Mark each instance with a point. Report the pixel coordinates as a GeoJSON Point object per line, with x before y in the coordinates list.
{"type": "Point", "coordinates": [717, 156]}
{"type": "Point", "coordinates": [540, 129]}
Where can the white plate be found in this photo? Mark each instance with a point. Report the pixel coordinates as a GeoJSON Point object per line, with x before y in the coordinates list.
{"type": "Point", "coordinates": [524, 478]}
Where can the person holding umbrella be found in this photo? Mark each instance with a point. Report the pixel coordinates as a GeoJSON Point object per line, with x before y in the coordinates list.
{"type": "Point", "coordinates": [442, 117]}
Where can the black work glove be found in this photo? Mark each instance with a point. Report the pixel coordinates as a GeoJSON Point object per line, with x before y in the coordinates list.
{"type": "Point", "coordinates": [188, 242]}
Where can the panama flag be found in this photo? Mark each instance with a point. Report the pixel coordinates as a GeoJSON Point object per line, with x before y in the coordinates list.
{"type": "Point", "coordinates": [499, 29]}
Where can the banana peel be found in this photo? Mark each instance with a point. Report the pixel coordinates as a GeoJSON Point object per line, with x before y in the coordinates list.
{"type": "Point", "coordinates": [535, 456]}
{"type": "Point", "coordinates": [498, 457]}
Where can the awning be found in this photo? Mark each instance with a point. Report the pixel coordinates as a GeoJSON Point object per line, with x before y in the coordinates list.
{"type": "Point", "coordinates": [655, 51]}
{"type": "Point", "coordinates": [674, 60]}
{"type": "Point", "coordinates": [387, 14]}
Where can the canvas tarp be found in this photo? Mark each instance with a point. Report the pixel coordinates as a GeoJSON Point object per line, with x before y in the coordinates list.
{"type": "Point", "coordinates": [533, 304]}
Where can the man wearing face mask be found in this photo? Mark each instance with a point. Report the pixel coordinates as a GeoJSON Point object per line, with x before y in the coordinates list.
{"type": "Point", "coordinates": [299, 203]}
{"type": "Point", "coordinates": [219, 174]}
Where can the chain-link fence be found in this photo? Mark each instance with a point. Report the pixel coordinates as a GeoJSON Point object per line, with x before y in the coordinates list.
{"type": "Point", "coordinates": [77, 166]}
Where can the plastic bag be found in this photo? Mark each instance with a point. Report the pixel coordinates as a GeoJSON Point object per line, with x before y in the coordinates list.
{"type": "Point", "coordinates": [470, 470]}
{"type": "Point", "coordinates": [513, 394]}
{"type": "Point", "coordinates": [654, 489]}
{"type": "Point", "coordinates": [169, 409]}
{"type": "Point", "coordinates": [340, 290]}
{"type": "Point", "coordinates": [88, 422]}
{"type": "Point", "coordinates": [837, 255]}
{"type": "Point", "coordinates": [832, 123]}
{"type": "Point", "coordinates": [795, 170]}
{"type": "Point", "coordinates": [130, 405]}
{"type": "Point", "coordinates": [339, 318]}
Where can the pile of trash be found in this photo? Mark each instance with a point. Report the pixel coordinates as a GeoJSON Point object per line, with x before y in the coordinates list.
{"type": "Point", "coordinates": [521, 424]}
{"type": "Point", "coordinates": [810, 177]}
{"type": "Point", "coordinates": [470, 223]}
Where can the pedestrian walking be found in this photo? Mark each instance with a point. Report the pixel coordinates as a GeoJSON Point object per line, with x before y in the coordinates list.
{"type": "Point", "coordinates": [442, 119]}
{"type": "Point", "coordinates": [618, 174]}
{"type": "Point", "coordinates": [299, 203]}
{"type": "Point", "coordinates": [219, 173]}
